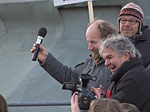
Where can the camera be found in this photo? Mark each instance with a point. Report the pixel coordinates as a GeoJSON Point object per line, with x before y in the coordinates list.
{"type": "Point", "coordinates": [85, 94]}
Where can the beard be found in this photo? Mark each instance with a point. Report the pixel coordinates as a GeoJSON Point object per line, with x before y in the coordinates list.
{"type": "Point", "coordinates": [95, 55]}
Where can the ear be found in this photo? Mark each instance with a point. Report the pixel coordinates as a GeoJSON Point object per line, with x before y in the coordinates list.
{"type": "Point", "coordinates": [126, 56]}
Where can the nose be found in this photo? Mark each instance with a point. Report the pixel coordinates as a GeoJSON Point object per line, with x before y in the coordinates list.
{"type": "Point", "coordinates": [107, 62]}
{"type": "Point", "coordinates": [127, 23]}
{"type": "Point", "coordinates": [90, 46]}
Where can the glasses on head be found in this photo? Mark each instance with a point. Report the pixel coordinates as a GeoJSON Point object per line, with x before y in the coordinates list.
{"type": "Point", "coordinates": [130, 21]}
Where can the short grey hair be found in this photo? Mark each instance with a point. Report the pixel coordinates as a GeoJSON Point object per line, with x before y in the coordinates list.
{"type": "Point", "coordinates": [121, 45]}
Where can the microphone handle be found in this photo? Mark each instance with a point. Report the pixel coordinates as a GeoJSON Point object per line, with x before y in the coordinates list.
{"type": "Point", "coordinates": [36, 52]}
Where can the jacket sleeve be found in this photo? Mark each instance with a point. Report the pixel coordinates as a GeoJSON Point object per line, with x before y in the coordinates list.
{"type": "Point", "coordinates": [61, 72]}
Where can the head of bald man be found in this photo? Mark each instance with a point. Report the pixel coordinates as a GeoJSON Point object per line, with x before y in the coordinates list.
{"type": "Point", "coordinates": [98, 31]}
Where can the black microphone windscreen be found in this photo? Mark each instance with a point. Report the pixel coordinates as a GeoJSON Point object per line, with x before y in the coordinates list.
{"type": "Point", "coordinates": [42, 32]}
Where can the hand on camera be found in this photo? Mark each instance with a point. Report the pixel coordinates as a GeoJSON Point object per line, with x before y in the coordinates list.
{"type": "Point", "coordinates": [98, 91]}
{"type": "Point", "coordinates": [74, 103]}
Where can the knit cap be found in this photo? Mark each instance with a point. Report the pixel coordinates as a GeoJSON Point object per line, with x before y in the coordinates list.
{"type": "Point", "coordinates": [132, 9]}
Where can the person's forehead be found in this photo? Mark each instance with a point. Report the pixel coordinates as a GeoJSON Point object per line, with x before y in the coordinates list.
{"type": "Point", "coordinates": [91, 30]}
{"type": "Point", "coordinates": [93, 34]}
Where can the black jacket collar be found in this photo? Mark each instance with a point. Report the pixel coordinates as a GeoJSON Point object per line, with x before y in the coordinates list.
{"type": "Point", "coordinates": [124, 68]}
{"type": "Point", "coordinates": [141, 37]}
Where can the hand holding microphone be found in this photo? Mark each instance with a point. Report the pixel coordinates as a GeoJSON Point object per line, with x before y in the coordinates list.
{"type": "Point", "coordinates": [38, 50]}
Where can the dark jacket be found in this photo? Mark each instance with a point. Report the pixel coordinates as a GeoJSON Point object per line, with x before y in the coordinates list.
{"type": "Point", "coordinates": [64, 73]}
{"type": "Point", "coordinates": [142, 43]}
{"type": "Point", "coordinates": [131, 84]}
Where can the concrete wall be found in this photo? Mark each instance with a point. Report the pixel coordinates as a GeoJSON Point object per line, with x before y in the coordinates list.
{"type": "Point", "coordinates": [23, 80]}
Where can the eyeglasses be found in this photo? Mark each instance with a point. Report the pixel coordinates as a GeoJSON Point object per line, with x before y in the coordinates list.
{"type": "Point", "coordinates": [130, 21]}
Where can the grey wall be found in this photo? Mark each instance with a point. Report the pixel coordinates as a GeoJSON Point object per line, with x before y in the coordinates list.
{"type": "Point", "coordinates": [23, 80]}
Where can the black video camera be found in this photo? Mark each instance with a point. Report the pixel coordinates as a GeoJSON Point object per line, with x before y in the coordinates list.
{"type": "Point", "coordinates": [85, 94]}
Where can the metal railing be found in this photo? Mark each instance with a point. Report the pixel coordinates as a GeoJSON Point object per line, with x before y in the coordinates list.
{"type": "Point", "coordinates": [48, 103]}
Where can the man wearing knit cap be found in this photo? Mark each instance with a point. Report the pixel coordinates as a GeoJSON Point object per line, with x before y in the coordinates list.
{"type": "Point", "coordinates": [131, 25]}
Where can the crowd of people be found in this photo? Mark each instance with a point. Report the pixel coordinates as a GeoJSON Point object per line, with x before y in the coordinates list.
{"type": "Point", "coordinates": [130, 80]}
{"type": "Point", "coordinates": [120, 61]}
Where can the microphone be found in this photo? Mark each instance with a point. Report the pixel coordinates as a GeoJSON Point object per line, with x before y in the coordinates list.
{"type": "Point", "coordinates": [41, 34]}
